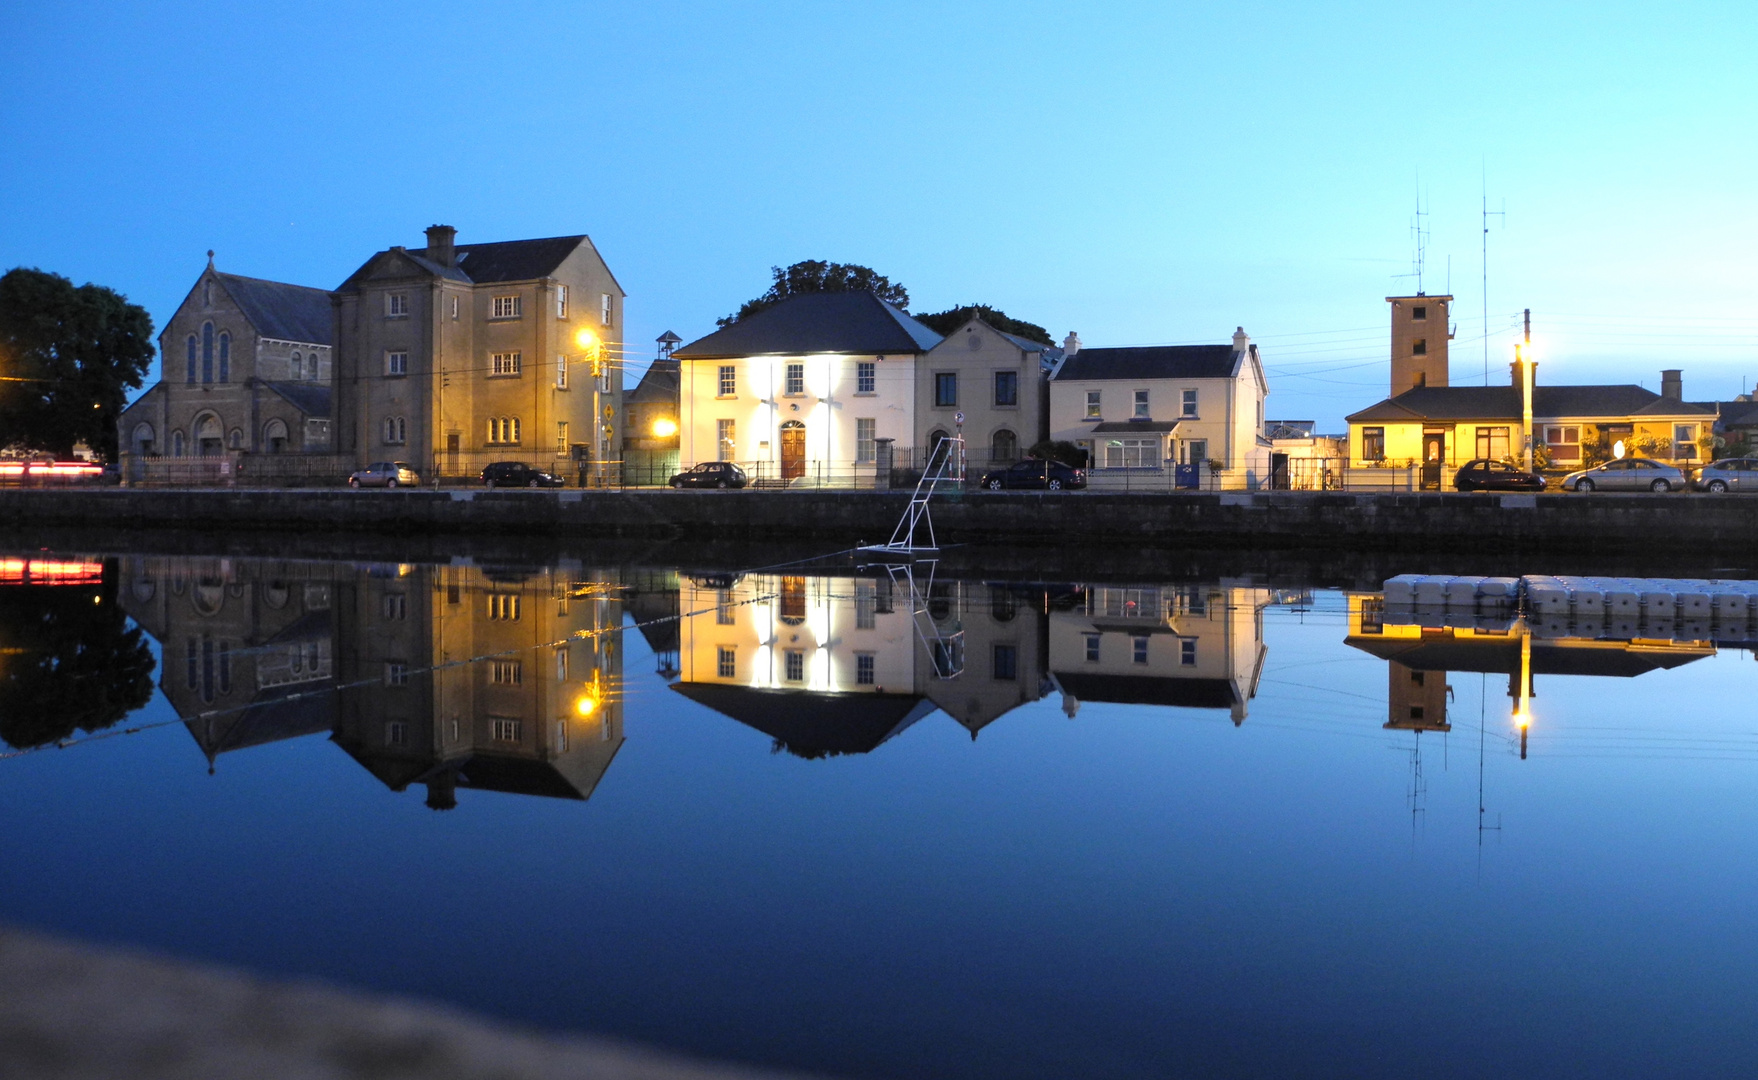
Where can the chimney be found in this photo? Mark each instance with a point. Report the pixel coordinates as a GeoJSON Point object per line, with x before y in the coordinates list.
{"type": "Point", "coordinates": [1672, 384]}
{"type": "Point", "coordinates": [440, 244]}
{"type": "Point", "coordinates": [1071, 344]}
{"type": "Point", "coordinates": [1514, 373]}
{"type": "Point", "coordinates": [1241, 340]}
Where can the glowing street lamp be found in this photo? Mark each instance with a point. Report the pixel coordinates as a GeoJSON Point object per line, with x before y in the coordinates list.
{"type": "Point", "coordinates": [664, 428]}
{"type": "Point", "coordinates": [1523, 696]}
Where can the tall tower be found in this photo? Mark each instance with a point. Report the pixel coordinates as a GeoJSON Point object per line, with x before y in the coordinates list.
{"type": "Point", "coordinates": [1419, 341]}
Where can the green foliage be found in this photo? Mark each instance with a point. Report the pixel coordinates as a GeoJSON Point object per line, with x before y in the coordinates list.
{"type": "Point", "coordinates": [945, 322]}
{"type": "Point", "coordinates": [1650, 446]}
{"type": "Point", "coordinates": [1596, 447]}
{"type": "Point", "coordinates": [815, 276]}
{"type": "Point", "coordinates": [75, 352]}
{"type": "Point", "coordinates": [1711, 446]}
{"type": "Point", "coordinates": [66, 663]}
{"type": "Point", "coordinates": [1059, 450]}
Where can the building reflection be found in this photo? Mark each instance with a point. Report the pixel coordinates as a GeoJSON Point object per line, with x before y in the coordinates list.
{"type": "Point", "coordinates": [449, 677]}
{"type": "Point", "coordinates": [1422, 647]}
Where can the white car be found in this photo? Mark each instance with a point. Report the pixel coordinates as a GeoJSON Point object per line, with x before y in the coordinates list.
{"type": "Point", "coordinates": [1628, 474]}
{"type": "Point", "coordinates": [388, 474]}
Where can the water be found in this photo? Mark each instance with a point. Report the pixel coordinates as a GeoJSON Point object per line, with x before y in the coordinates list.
{"type": "Point", "coordinates": [1212, 840]}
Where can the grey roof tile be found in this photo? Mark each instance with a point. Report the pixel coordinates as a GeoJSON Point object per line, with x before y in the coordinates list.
{"type": "Point", "coordinates": [857, 323]}
{"type": "Point", "coordinates": [282, 311]}
{"type": "Point", "coordinates": [516, 260]}
{"type": "Point", "coordinates": [1503, 402]}
{"type": "Point", "coordinates": [312, 399]}
{"type": "Point", "coordinates": [1152, 362]}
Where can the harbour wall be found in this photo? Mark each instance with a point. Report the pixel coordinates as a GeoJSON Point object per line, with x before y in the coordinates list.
{"type": "Point", "coordinates": [1640, 526]}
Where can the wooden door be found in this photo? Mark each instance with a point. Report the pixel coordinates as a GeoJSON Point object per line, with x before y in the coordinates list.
{"type": "Point", "coordinates": [793, 449]}
{"type": "Point", "coordinates": [1434, 458]}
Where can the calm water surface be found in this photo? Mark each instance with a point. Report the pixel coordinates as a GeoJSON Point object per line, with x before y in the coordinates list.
{"type": "Point", "coordinates": [892, 826]}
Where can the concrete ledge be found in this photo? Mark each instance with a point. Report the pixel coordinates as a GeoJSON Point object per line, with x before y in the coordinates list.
{"type": "Point", "coordinates": [72, 1012]}
{"type": "Point", "coordinates": [1598, 524]}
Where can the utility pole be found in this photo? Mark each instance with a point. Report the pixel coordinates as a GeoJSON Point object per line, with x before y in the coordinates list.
{"type": "Point", "coordinates": [1487, 214]}
{"type": "Point", "coordinates": [1523, 365]}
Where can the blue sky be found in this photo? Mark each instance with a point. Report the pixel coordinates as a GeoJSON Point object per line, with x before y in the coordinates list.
{"type": "Point", "coordinates": [1141, 173]}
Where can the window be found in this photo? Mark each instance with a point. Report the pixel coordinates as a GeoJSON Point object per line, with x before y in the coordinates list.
{"type": "Point", "coordinates": [866, 605]}
{"type": "Point", "coordinates": [503, 430]}
{"type": "Point", "coordinates": [190, 375]}
{"type": "Point", "coordinates": [503, 607]}
{"type": "Point", "coordinates": [311, 366]}
{"type": "Point", "coordinates": [1564, 441]}
{"type": "Point", "coordinates": [795, 664]}
{"type": "Point", "coordinates": [866, 376]}
{"type": "Point", "coordinates": [723, 434]}
{"type": "Point", "coordinates": [864, 669]}
{"type": "Point", "coordinates": [723, 615]}
{"type": "Point", "coordinates": [394, 607]}
{"type": "Point", "coordinates": [1187, 652]}
{"type": "Point", "coordinates": [1492, 443]}
{"type": "Point", "coordinates": [1419, 347]}
{"type": "Point", "coordinates": [396, 430]}
{"type": "Point", "coordinates": [561, 664]}
{"type": "Point", "coordinates": [1373, 444]}
{"type": "Point", "coordinates": [561, 373]}
{"type": "Point", "coordinates": [561, 438]}
{"type": "Point", "coordinates": [504, 307]}
{"type": "Point", "coordinates": [225, 357]}
{"type": "Point", "coordinates": [1685, 442]}
{"type": "Point", "coordinates": [1006, 389]}
{"type": "Point", "coordinates": [725, 662]}
{"type": "Point", "coordinates": [729, 381]}
{"type": "Point", "coordinates": [507, 673]}
{"type": "Point", "coordinates": [796, 379]}
{"type": "Point", "coordinates": [504, 363]}
{"type": "Point", "coordinates": [396, 733]}
{"type": "Point", "coordinates": [177, 444]}
{"type": "Point", "coordinates": [1004, 446]}
{"type": "Point", "coordinates": [396, 364]}
{"type": "Point", "coordinates": [454, 309]}
{"type": "Point", "coordinates": [298, 365]}
{"type": "Point", "coordinates": [1418, 313]}
{"type": "Point", "coordinates": [561, 301]}
{"type": "Point", "coordinates": [235, 439]}
{"type": "Point", "coordinates": [1006, 663]}
{"type": "Point", "coordinates": [1196, 452]}
{"type": "Point", "coordinates": [396, 305]}
{"type": "Point", "coordinates": [866, 444]}
{"type": "Point", "coordinates": [604, 308]}
{"type": "Point", "coordinates": [1092, 641]}
{"type": "Point", "coordinates": [560, 742]}
{"type": "Point", "coordinates": [1132, 453]}
{"type": "Point", "coordinates": [207, 352]}
{"type": "Point", "coordinates": [505, 728]}
{"type": "Point", "coordinates": [1093, 412]}
{"type": "Point", "coordinates": [946, 389]}
{"type": "Point", "coordinates": [396, 673]}
{"type": "Point", "coordinates": [1138, 649]}
{"type": "Point", "coordinates": [1187, 403]}
{"type": "Point", "coordinates": [1141, 406]}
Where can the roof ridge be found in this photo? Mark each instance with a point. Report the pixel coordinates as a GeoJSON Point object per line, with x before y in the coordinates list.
{"type": "Point", "coordinates": [268, 281]}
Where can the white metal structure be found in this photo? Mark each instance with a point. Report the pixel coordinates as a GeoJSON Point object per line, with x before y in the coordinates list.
{"type": "Point", "coordinates": [946, 463]}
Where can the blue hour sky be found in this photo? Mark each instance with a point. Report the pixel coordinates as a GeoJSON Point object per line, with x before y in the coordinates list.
{"type": "Point", "coordinates": [1141, 173]}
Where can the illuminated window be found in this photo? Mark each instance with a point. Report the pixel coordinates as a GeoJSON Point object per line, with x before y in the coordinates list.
{"type": "Point", "coordinates": [503, 607]}
{"type": "Point", "coordinates": [866, 376]}
{"type": "Point", "coordinates": [1492, 443]}
{"type": "Point", "coordinates": [504, 307]}
{"type": "Point", "coordinates": [561, 438]}
{"type": "Point", "coordinates": [723, 434]}
{"type": "Point", "coordinates": [1373, 444]}
{"type": "Point", "coordinates": [503, 364]}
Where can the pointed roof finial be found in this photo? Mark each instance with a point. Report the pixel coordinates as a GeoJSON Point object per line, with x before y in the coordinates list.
{"type": "Point", "coordinates": [210, 258]}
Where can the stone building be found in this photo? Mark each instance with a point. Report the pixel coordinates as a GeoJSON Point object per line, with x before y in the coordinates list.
{"type": "Point", "coordinates": [452, 356]}
{"type": "Point", "coordinates": [990, 386]}
{"type": "Point", "coordinates": [245, 366]}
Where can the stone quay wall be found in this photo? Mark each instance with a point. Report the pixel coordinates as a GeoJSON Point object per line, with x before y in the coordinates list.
{"type": "Point", "coordinates": [1636, 525]}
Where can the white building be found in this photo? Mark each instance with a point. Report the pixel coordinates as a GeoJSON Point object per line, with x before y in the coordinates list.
{"type": "Point", "coordinates": [1152, 408]}
{"type": "Point", "coordinates": [805, 388]}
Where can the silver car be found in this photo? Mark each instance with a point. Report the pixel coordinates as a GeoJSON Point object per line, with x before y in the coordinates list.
{"type": "Point", "coordinates": [388, 474]}
{"type": "Point", "coordinates": [1729, 474]}
{"type": "Point", "coordinates": [1628, 474]}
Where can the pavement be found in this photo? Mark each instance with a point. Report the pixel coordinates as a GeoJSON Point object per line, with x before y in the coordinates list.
{"type": "Point", "coordinates": [73, 1012]}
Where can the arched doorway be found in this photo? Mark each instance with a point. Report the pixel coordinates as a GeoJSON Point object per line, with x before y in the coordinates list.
{"type": "Point", "coordinates": [274, 437]}
{"type": "Point", "coordinates": [143, 439]}
{"type": "Point", "coordinates": [208, 436]}
{"type": "Point", "coordinates": [793, 449]}
{"type": "Point", "coordinates": [937, 447]}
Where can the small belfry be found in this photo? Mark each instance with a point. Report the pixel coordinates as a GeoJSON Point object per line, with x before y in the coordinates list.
{"type": "Point", "coordinates": [1420, 334]}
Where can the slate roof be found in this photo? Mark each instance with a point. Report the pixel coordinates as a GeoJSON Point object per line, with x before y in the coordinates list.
{"type": "Point", "coordinates": [1503, 402]}
{"type": "Point", "coordinates": [516, 260]}
{"type": "Point", "coordinates": [1502, 656]}
{"type": "Point", "coordinates": [846, 322]}
{"type": "Point", "coordinates": [1148, 690]}
{"type": "Point", "coordinates": [282, 311]}
{"type": "Point", "coordinates": [658, 383]}
{"type": "Point", "coordinates": [813, 724]}
{"type": "Point", "coordinates": [312, 399]}
{"type": "Point", "coordinates": [1153, 362]}
{"type": "Point", "coordinates": [1733, 413]}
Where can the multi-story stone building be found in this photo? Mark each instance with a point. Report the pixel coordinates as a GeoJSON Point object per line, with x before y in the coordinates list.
{"type": "Point", "coordinates": [453, 356]}
{"type": "Point", "coordinates": [245, 366]}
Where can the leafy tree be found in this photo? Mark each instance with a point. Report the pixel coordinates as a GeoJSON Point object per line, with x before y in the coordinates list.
{"type": "Point", "coordinates": [67, 664]}
{"type": "Point", "coordinates": [814, 276]}
{"type": "Point", "coordinates": [69, 355]}
{"type": "Point", "coordinates": [1059, 450]}
{"type": "Point", "coordinates": [945, 322]}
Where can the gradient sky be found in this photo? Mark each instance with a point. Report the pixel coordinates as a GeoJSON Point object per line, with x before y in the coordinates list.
{"type": "Point", "coordinates": [1141, 173]}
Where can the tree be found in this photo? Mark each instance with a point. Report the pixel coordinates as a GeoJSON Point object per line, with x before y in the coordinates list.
{"type": "Point", "coordinates": [68, 357]}
{"type": "Point", "coordinates": [945, 322]}
{"type": "Point", "coordinates": [814, 276]}
{"type": "Point", "coordinates": [66, 663]}
{"type": "Point", "coordinates": [1059, 450]}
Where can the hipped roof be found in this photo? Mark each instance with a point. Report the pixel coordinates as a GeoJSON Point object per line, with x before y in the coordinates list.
{"type": "Point", "coordinates": [1503, 403]}
{"type": "Point", "coordinates": [853, 323]}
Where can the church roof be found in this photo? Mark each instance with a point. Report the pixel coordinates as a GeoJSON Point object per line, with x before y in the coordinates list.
{"type": "Point", "coordinates": [282, 311]}
{"type": "Point", "coordinates": [857, 323]}
{"type": "Point", "coordinates": [310, 398]}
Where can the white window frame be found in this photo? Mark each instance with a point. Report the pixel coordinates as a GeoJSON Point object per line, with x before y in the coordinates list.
{"type": "Point", "coordinates": [396, 363]}
{"type": "Point", "coordinates": [561, 438]}
{"type": "Point", "coordinates": [561, 301]}
{"type": "Point", "coordinates": [505, 365]}
{"type": "Point", "coordinates": [396, 305]}
{"type": "Point", "coordinates": [506, 307]}
{"type": "Point", "coordinates": [866, 377]}
{"type": "Point", "coordinates": [507, 672]}
{"type": "Point", "coordinates": [503, 606]}
{"type": "Point", "coordinates": [561, 373]}
{"type": "Point", "coordinates": [1187, 403]}
{"type": "Point", "coordinates": [606, 309]}
{"type": "Point", "coordinates": [794, 380]}
{"type": "Point", "coordinates": [727, 381]}
{"type": "Point", "coordinates": [1133, 453]}
{"type": "Point", "coordinates": [395, 431]}
{"type": "Point", "coordinates": [866, 440]}
{"type": "Point", "coordinates": [503, 430]}
{"type": "Point", "coordinates": [1095, 405]}
{"type": "Point", "coordinates": [725, 432]}
{"type": "Point", "coordinates": [506, 729]}
{"type": "Point", "coordinates": [1140, 405]}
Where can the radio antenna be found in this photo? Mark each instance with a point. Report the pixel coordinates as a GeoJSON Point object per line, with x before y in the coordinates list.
{"type": "Point", "coordinates": [1487, 214]}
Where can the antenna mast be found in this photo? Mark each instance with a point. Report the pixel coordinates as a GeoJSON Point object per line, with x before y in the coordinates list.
{"type": "Point", "coordinates": [1487, 214]}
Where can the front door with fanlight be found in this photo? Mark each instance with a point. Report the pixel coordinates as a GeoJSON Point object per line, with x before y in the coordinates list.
{"type": "Point", "coordinates": [1434, 457]}
{"type": "Point", "coordinates": [793, 449]}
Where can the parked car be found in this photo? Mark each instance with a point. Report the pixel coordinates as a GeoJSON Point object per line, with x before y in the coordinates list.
{"type": "Point", "coordinates": [710, 474]}
{"type": "Point", "coordinates": [1728, 474]}
{"type": "Point", "coordinates": [519, 474]}
{"type": "Point", "coordinates": [1035, 475]}
{"type": "Point", "coordinates": [1486, 475]}
{"type": "Point", "coordinates": [1628, 474]}
{"type": "Point", "coordinates": [388, 474]}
